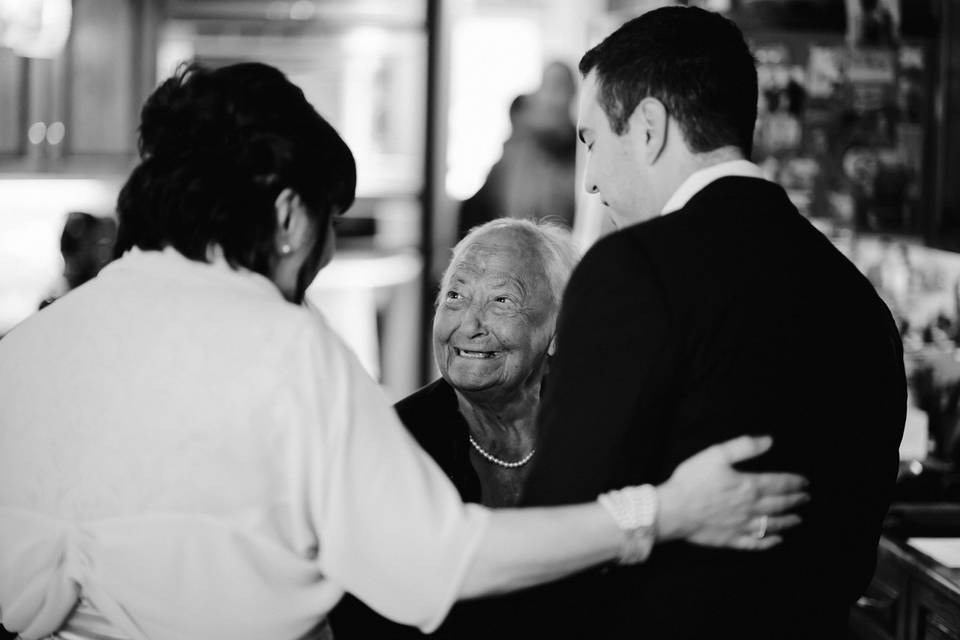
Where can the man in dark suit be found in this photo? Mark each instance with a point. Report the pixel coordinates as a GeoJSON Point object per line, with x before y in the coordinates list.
{"type": "Point", "coordinates": [715, 310]}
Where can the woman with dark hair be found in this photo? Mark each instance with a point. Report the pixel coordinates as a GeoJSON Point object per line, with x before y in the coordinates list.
{"type": "Point", "coordinates": [185, 454]}
{"type": "Point", "coordinates": [221, 150]}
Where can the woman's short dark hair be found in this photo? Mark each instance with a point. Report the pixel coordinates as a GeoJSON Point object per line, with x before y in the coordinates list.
{"type": "Point", "coordinates": [695, 62]}
{"type": "Point", "coordinates": [217, 146]}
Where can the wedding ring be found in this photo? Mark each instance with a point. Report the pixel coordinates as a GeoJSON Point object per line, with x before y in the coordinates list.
{"type": "Point", "coordinates": [762, 533]}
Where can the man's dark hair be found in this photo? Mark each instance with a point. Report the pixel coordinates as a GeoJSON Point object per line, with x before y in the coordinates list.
{"type": "Point", "coordinates": [695, 62]}
{"type": "Point", "coordinates": [217, 147]}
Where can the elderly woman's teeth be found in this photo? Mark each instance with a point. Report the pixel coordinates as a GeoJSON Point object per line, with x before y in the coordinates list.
{"type": "Point", "coordinates": [476, 354]}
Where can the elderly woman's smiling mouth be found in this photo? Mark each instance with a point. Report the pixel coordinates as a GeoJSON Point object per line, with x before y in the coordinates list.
{"type": "Point", "coordinates": [477, 355]}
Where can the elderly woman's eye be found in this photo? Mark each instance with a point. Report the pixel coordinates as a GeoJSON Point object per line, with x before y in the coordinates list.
{"type": "Point", "coordinates": [452, 295]}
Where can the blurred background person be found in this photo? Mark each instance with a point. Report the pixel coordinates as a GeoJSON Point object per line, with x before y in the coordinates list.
{"type": "Point", "coordinates": [488, 202]}
{"type": "Point", "coordinates": [873, 22]}
{"type": "Point", "coordinates": [86, 245]}
{"type": "Point", "coordinates": [534, 177]}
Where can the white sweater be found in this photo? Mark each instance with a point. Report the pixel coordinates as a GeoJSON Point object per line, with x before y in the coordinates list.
{"type": "Point", "coordinates": [195, 457]}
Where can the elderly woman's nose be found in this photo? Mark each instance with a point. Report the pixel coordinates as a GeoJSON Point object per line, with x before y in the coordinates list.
{"type": "Point", "coordinates": [474, 319]}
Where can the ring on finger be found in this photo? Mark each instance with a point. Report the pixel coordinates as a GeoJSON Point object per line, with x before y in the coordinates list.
{"type": "Point", "coordinates": [762, 532]}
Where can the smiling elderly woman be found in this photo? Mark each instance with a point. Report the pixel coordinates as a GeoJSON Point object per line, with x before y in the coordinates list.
{"type": "Point", "coordinates": [492, 336]}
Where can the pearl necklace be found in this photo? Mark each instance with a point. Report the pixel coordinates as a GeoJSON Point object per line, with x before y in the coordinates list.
{"type": "Point", "coordinates": [503, 463]}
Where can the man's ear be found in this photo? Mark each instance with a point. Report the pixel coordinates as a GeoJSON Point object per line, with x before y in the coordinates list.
{"type": "Point", "coordinates": [650, 118]}
{"type": "Point", "coordinates": [293, 222]}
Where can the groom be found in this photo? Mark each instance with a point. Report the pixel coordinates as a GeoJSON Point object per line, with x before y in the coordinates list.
{"type": "Point", "coordinates": [715, 310]}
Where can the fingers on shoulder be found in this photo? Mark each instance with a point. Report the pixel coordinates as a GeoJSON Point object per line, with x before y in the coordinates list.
{"type": "Point", "coordinates": [744, 447]}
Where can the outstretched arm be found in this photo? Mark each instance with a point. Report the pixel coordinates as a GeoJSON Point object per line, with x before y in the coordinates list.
{"type": "Point", "coordinates": [705, 501]}
{"type": "Point", "coordinates": [393, 531]}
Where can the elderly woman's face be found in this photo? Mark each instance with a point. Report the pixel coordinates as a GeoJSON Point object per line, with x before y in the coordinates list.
{"type": "Point", "coordinates": [496, 315]}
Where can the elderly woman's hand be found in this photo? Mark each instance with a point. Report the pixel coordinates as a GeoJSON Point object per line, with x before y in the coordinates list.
{"type": "Point", "coordinates": [708, 502]}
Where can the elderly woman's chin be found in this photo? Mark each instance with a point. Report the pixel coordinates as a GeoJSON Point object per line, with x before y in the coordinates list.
{"type": "Point", "coordinates": [474, 376]}
{"type": "Point", "coordinates": [468, 374]}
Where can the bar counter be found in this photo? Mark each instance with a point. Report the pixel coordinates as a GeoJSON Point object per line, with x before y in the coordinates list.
{"type": "Point", "coordinates": [914, 594]}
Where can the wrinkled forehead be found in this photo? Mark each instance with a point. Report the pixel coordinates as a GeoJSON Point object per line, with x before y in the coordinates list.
{"type": "Point", "coordinates": [501, 255]}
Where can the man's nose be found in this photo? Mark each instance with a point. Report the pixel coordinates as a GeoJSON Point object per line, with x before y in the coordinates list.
{"type": "Point", "coordinates": [589, 184]}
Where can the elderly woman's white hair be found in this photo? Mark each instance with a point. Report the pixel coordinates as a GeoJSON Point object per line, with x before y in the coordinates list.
{"type": "Point", "coordinates": [559, 254]}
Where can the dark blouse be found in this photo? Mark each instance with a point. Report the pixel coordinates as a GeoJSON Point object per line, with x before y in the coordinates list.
{"type": "Point", "coordinates": [432, 417]}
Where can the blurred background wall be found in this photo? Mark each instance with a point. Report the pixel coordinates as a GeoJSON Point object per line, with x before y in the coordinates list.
{"type": "Point", "coordinates": [461, 110]}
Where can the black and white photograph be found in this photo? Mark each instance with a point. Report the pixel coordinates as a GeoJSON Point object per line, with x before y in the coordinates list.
{"type": "Point", "coordinates": [479, 319]}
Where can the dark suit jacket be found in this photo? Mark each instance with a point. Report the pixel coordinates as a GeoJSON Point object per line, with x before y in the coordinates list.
{"type": "Point", "coordinates": [732, 315]}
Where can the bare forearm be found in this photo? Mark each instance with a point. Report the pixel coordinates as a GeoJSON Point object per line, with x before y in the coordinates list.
{"type": "Point", "coordinates": [706, 501]}
{"type": "Point", "coordinates": [525, 547]}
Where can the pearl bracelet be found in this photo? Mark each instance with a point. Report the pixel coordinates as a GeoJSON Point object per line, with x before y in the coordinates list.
{"type": "Point", "coordinates": [634, 509]}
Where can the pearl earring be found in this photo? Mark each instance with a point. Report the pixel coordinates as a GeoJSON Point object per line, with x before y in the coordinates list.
{"type": "Point", "coordinates": [285, 249]}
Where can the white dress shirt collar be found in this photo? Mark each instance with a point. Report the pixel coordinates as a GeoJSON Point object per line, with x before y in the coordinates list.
{"type": "Point", "coordinates": [700, 179]}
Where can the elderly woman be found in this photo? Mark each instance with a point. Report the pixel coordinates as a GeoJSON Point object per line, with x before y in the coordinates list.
{"type": "Point", "coordinates": [492, 337]}
{"type": "Point", "coordinates": [493, 334]}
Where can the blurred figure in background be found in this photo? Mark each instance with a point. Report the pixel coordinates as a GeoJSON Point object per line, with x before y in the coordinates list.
{"type": "Point", "coordinates": [489, 202]}
{"type": "Point", "coordinates": [873, 23]}
{"type": "Point", "coordinates": [86, 246]}
{"type": "Point", "coordinates": [534, 177]}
